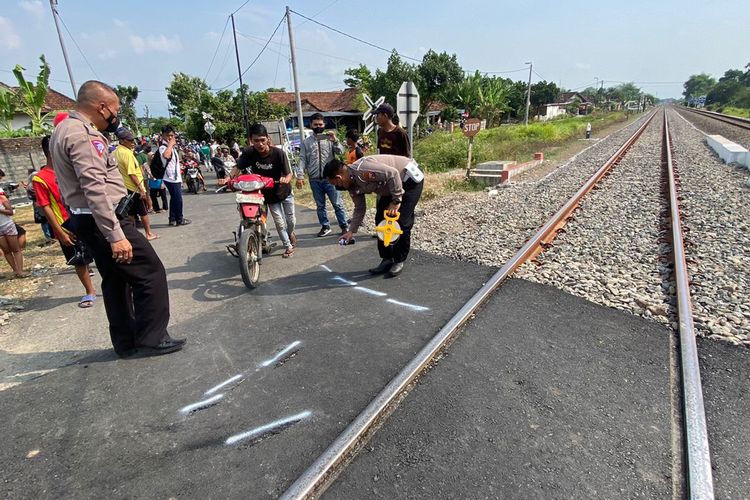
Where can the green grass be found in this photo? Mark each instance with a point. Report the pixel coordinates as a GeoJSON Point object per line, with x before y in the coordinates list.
{"type": "Point", "coordinates": [443, 151]}
{"type": "Point", "coordinates": [741, 112]}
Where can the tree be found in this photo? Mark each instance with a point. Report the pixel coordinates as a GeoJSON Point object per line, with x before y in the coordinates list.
{"type": "Point", "coordinates": [275, 89]}
{"type": "Point", "coordinates": [387, 83]}
{"type": "Point", "coordinates": [543, 93]}
{"type": "Point", "coordinates": [436, 72]}
{"type": "Point", "coordinates": [8, 109]}
{"type": "Point", "coordinates": [698, 85]}
{"type": "Point", "coordinates": [128, 96]}
{"type": "Point", "coordinates": [359, 78]}
{"type": "Point", "coordinates": [31, 97]}
{"type": "Point", "coordinates": [185, 93]}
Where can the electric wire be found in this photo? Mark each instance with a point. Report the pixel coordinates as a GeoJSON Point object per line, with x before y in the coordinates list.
{"type": "Point", "coordinates": [253, 38]}
{"type": "Point", "coordinates": [355, 38]}
{"type": "Point", "coordinates": [78, 47]}
{"type": "Point", "coordinates": [240, 8]}
{"type": "Point", "coordinates": [256, 57]}
{"type": "Point", "coordinates": [223, 63]}
{"type": "Point", "coordinates": [221, 38]}
{"type": "Point", "coordinates": [321, 11]}
{"type": "Point", "coordinates": [278, 58]}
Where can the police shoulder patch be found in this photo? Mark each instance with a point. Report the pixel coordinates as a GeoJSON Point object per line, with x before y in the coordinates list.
{"type": "Point", "coordinates": [369, 176]}
{"type": "Point", "coordinates": [98, 146]}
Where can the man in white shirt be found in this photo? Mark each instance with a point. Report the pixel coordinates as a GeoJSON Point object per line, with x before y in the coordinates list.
{"type": "Point", "coordinates": [172, 177]}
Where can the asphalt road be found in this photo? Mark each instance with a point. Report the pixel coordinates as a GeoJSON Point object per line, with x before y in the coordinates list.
{"type": "Point", "coordinates": [543, 396]}
{"type": "Point", "coordinates": [95, 426]}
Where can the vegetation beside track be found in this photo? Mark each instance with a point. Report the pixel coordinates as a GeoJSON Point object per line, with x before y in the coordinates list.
{"type": "Point", "coordinates": [443, 151]}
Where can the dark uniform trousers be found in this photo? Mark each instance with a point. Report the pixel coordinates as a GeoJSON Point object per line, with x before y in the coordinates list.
{"type": "Point", "coordinates": [400, 250]}
{"type": "Point", "coordinates": [136, 297]}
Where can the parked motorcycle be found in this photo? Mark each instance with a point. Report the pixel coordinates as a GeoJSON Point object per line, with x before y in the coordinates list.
{"type": "Point", "coordinates": [251, 238]}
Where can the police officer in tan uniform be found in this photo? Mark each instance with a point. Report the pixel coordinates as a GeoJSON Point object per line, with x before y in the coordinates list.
{"type": "Point", "coordinates": [398, 181]}
{"type": "Point", "coordinates": [134, 283]}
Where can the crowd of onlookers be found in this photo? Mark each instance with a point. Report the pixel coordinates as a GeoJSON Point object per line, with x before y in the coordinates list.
{"type": "Point", "coordinates": [49, 209]}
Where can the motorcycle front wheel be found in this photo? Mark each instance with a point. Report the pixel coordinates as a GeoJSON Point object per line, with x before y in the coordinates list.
{"type": "Point", "coordinates": [249, 259]}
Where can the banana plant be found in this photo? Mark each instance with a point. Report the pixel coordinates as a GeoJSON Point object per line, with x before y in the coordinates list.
{"type": "Point", "coordinates": [8, 109]}
{"type": "Point", "coordinates": [31, 97]}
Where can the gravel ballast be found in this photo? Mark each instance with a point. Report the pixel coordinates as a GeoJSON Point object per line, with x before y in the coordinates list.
{"type": "Point", "coordinates": [613, 251]}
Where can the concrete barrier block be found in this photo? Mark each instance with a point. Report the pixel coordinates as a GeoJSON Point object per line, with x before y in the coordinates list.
{"type": "Point", "coordinates": [728, 151]}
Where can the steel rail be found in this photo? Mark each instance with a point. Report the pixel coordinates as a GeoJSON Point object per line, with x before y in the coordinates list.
{"type": "Point", "coordinates": [318, 476]}
{"type": "Point", "coordinates": [700, 479]}
{"type": "Point", "coordinates": [732, 120]}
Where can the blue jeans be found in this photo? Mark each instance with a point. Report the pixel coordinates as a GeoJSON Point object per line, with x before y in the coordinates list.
{"type": "Point", "coordinates": [321, 188]}
{"type": "Point", "coordinates": [175, 200]}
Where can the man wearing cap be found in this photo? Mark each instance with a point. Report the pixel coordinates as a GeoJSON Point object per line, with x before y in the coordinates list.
{"type": "Point", "coordinates": [134, 283]}
{"type": "Point", "coordinates": [132, 177]}
{"type": "Point", "coordinates": [392, 139]}
{"type": "Point", "coordinates": [398, 181]}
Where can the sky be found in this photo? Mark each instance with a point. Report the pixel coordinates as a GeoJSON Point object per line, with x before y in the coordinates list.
{"type": "Point", "coordinates": [656, 44]}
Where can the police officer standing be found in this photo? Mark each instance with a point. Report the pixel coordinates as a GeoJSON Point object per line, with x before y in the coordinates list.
{"type": "Point", "coordinates": [398, 181]}
{"type": "Point", "coordinates": [134, 283]}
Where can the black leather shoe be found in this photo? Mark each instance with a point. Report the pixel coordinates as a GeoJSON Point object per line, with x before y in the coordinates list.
{"type": "Point", "coordinates": [126, 353]}
{"type": "Point", "coordinates": [165, 347]}
{"type": "Point", "coordinates": [396, 269]}
{"type": "Point", "coordinates": [384, 265]}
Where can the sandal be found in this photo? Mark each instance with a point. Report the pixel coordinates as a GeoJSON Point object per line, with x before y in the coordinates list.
{"type": "Point", "coordinates": [152, 237]}
{"type": "Point", "coordinates": [289, 252]}
{"type": "Point", "coordinates": [87, 301]}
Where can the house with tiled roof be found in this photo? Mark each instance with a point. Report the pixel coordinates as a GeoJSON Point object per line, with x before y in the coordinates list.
{"type": "Point", "coordinates": [566, 99]}
{"type": "Point", "coordinates": [54, 101]}
{"type": "Point", "coordinates": [339, 107]}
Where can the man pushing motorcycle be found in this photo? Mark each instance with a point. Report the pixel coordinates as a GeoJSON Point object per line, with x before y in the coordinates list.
{"type": "Point", "coordinates": [264, 159]}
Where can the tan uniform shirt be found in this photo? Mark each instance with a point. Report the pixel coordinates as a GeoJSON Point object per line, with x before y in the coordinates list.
{"type": "Point", "coordinates": [87, 174]}
{"type": "Point", "coordinates": [381, 174]}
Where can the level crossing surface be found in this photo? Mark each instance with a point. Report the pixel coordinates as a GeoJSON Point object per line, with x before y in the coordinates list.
{"type": "Point", "coordinates": [95, 426]}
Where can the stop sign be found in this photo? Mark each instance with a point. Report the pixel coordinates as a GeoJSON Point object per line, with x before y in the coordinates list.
{"type": "Point", "coordinates": [472, 126]}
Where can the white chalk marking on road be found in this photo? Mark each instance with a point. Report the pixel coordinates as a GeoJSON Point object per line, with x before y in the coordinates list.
{"type": "Point", "coordinates": [272, 428]}
{"type": "Point", "coordinates": [326, 268]}
{"type": "Point", "coordinates": [201, 405]}
{"type": "Point", "coordinates": [413, 307]}
{"type": "Point", "coordinates": [370, 291]}
{"type": "Point", "coordinates": [223, 384]}
{"type": "Point", "coordinates": [343, 280]}
{"type": "Point", "coordinates": [284, 353]}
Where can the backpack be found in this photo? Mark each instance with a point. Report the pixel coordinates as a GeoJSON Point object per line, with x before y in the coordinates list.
{"type": "Point", "coordinates": [158, 169]}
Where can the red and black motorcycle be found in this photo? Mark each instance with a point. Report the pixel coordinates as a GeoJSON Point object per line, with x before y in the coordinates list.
{"type": "Point", "coordinates": [251, 238]}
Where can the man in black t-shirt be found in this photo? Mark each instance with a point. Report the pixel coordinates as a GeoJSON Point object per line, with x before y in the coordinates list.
{"type": "Point", "coordinates": [392, 139]}
{"type": "Point", "coordinates": [266, 160]}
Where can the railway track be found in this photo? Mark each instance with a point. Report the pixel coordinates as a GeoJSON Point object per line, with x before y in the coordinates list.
{"type": "Point", "coordinates": [697, 468]}
{"type": "Point", "coordinates": [737, 121]}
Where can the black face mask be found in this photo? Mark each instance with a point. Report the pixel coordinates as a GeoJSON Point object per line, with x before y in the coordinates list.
{"type": "Point", "coordinates": [113, 123]}
{"type": "Point", "coordinates": [318, 130]}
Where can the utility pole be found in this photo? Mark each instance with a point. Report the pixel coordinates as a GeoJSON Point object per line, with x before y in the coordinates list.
{"type": "Point", "coordinates": [297, 98]}
{"type": "Point", "coordinates": [528, 95]}
{"type": "Point", "coordinates": [55, 15]}
{"type": "Point", "coordinates": [242, 88]}
{"type": "Point", "coordinates": [148, 122]}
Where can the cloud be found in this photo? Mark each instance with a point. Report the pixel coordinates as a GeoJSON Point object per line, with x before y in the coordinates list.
{"type": "Point", "coordinates": [107, 55]}
{"type": "Point", "coordinates": [119, 23]}
{"type": "Point", "coordinates": [211, 35]}
{"type": "Point", "coordinates": [33, 7]}
{"type": "Point", "coordinates": [583, 66]}
{"type": "Point", "coordinates": [8, 36]}
{"type": "Point", "coordinates": [155, 44]}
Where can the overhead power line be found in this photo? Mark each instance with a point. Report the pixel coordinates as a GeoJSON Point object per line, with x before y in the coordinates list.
{"type": "Point", "coordinates": [256, 57]}
{"type": "Point", "coordinates": [239, 8]}
{"type": "Point", "coordinates": [78, 47]}
{"type": "Point", "coordinates": [221, 38]}
{"type": "Point", "coordinates": [354, 37]}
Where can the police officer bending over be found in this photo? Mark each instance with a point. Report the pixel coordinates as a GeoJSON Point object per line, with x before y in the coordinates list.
{"type": "Point", "coordinates": [134, 283]}
{"type": "Point", "coordinates": [399, 183]}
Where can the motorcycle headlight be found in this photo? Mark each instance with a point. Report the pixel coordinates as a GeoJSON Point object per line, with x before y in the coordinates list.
{"type": "Point", "coordinates": [250, 185]}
